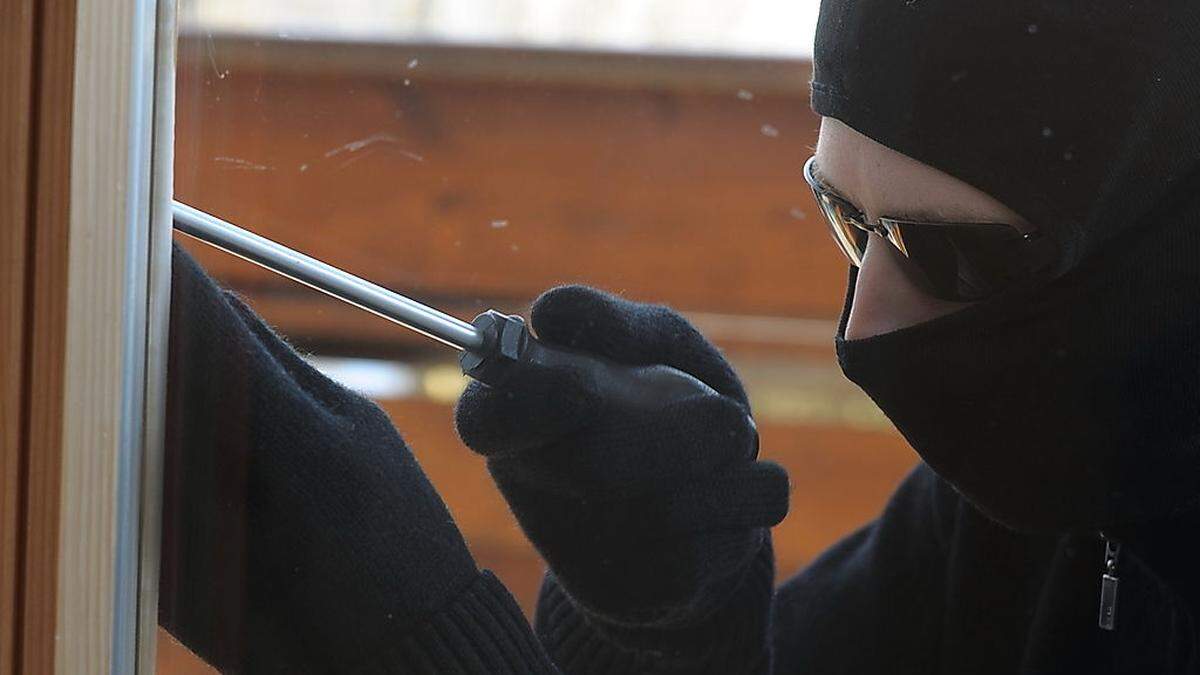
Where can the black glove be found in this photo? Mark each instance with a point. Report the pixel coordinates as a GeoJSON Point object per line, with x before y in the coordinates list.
{"type": "Point", "coordinates": [300, 535]}
{"type": "Point", "coordinates": [647, 518]}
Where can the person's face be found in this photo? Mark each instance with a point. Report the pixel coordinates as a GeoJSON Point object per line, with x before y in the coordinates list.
{"type": "Point", "coordinates": [883, 182]}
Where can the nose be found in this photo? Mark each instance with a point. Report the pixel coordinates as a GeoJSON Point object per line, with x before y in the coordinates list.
{"type": "Point", "coordinates": [885, 299]}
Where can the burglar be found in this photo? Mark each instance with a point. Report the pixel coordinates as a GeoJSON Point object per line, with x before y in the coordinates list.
{"type": "Point", "coordinates": [1017, 187]}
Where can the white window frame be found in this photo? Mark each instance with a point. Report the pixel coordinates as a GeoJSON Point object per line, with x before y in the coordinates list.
{"type": "Point", "coordinates": [116, 330]}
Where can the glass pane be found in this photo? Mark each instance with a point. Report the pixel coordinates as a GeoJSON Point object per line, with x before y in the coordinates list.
{"type": "Point", "coordinates": [472, 155]}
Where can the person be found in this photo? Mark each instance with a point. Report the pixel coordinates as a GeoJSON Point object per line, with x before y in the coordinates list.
{"type": "Point", "coordinates": [1017, 186]}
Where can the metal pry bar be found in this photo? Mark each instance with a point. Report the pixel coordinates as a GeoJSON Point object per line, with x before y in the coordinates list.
{"type": "Point", "coordinates": [497, 348]}
{"type": "Point", "coordinates": [327, 278]}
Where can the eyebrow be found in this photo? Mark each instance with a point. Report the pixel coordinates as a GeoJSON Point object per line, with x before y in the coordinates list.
{"type": "Point", "coordinates": [925, 214]}
{"type": "Point", "coordinates": [818, 174]}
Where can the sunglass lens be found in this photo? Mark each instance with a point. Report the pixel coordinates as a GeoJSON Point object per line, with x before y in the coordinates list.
{"type": "Point", "coordinates": [852, 240]}
{"type": "Point", "coordinates": [961, 262]}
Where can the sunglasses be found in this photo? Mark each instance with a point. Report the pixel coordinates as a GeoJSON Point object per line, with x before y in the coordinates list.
{"type": "Point", "coordinates": [964, 262]}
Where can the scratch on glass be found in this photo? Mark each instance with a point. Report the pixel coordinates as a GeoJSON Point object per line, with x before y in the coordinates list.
{"type": "Point", "coordinates": [239, 163]}
{"type": "Point", "coordinates": [212, 57]}
{"type": "Point", "coordinates": [354, 147]}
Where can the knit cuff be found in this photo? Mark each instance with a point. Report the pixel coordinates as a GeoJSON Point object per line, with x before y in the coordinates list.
{"type": "Point", "coordinates": [481, 631]}
{"type": "Point", "coordinates": [734, 640]}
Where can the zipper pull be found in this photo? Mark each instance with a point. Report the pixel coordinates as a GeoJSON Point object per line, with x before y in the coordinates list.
{"type": "Point", "coordinates": [1108, 584]}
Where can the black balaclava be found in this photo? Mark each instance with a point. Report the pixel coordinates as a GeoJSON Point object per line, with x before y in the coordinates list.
{"type": "Point", "coordinates": [1076, 405]}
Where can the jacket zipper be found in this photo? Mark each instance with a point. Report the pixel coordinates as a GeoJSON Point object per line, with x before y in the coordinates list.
{"type": "Point", "coordinates": [1108, 583]}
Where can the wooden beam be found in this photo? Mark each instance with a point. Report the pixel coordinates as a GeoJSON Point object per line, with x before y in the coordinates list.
{"type": "Point", "coordinates": [16, 80]}
{"type": "Point", "coordinates": [45, 321]}
{"type": "Point", "coordinates": [473, 64]}
{"type": "Point", "coordinates": [315, 321]}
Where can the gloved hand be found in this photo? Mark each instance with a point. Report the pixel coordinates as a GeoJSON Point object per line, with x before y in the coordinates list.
{"type": "Point", "coordinates": [647, 518]}
{"type": "Point", "coordinates": [300, 534]}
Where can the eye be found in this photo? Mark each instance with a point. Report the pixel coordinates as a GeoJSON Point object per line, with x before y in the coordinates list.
{"type": "Point", "coordinates": [856, 218]}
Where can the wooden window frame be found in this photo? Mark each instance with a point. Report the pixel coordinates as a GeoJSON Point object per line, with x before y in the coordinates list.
{"type": "Point", "coordinates": [85, 184]}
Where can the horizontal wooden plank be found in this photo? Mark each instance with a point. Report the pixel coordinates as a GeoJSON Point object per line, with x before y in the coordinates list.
{"type": "Point", "coordinates": [322, 324]}
{"type": "Point", "coordinates": [493, 63]}
{"type": "Point", "coordinates": [499, 189]}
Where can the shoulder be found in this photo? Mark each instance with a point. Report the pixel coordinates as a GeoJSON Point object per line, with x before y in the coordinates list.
{"type": "Point", "coordinates": [875, 598]}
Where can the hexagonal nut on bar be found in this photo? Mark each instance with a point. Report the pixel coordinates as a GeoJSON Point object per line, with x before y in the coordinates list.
{"type": "Point", "coordinates": [504, 340]}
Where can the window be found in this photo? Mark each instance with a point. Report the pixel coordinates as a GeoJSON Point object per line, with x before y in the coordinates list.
{"type": "Point", "coordinates": [472, 155]}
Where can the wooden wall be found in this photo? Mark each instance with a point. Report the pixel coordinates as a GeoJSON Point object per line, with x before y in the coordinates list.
{"type": "Point", "coordinates": [483, 187]}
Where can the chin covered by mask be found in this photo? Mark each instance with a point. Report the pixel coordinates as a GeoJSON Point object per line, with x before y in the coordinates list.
{"type": "Point", "coordinates": [1072, 407]}
{"type": "Point", "coordinates": [1075, 405]}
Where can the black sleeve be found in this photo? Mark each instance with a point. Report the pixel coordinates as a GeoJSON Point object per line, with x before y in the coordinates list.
{"type": "Point", "coordinates": [734, 640]}
{"type": "Point", "coordinates": [299, 533]}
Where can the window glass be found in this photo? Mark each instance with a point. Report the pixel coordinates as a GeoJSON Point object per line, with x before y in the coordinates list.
{"type": "Point", "coordinates": [472, 155]}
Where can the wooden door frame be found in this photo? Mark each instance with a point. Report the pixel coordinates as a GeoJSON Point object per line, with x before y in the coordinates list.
{"type": "Point", "coordinates": [85, 150]}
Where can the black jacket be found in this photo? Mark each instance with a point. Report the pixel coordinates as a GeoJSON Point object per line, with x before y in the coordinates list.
{"type": "Point", "coordinates": [933, 586]}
